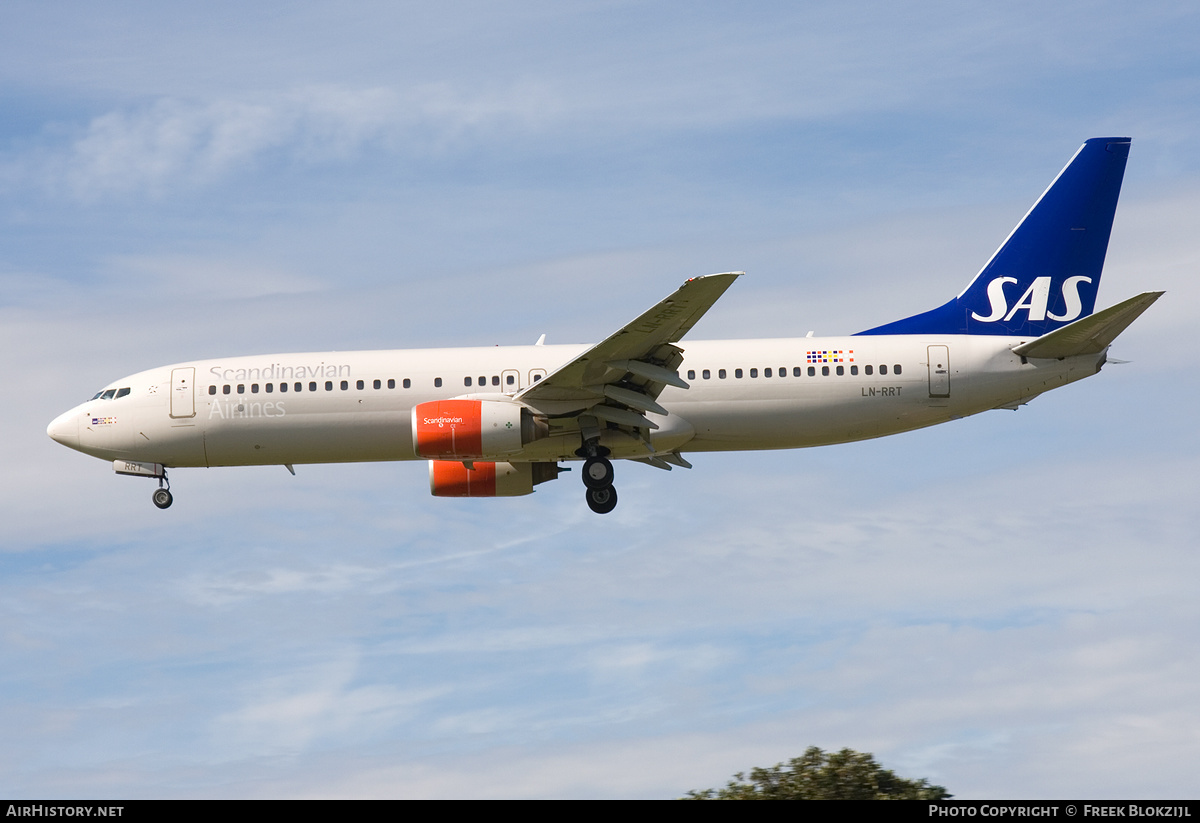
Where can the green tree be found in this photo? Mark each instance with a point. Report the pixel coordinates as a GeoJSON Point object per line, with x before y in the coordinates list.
{"type": "Point", "coordinates": [816, 775]}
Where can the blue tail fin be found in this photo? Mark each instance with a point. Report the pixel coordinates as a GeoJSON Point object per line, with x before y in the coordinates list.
{"type": "Point", "coordinates": [1046, 273]}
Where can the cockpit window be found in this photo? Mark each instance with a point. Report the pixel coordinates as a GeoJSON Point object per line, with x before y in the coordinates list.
{"type": "Point", "coordinates": [122, 393]}
{"type": "Point", "coordinates": [96, 396]}
{"type": "Point", "coordinates": [108, 395]}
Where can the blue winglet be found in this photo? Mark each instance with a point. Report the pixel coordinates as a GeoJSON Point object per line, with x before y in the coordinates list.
{"type": "Point", "coordinates": [1046, 274]}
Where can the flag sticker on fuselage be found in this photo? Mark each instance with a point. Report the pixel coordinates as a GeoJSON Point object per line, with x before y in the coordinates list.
{"type": "Point", "coordinates": [831, 356]}
{"type": "Point", "coordinates": [103, 421]}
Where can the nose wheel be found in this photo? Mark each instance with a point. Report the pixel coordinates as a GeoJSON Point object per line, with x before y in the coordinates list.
{"type": "Point", "coordinates": [162, 495]}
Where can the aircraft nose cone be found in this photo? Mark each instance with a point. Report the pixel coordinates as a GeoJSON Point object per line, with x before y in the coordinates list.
{"type": "Point", "coordinates": [65, 429]}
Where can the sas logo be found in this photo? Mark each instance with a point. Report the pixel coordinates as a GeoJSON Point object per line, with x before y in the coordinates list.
{"type": "Point", "coordinates": [1035, 300]}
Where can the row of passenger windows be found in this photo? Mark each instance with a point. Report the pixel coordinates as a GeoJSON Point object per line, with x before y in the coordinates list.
{"type": "Point", "coordinates": [797, 371]}
{"type": "Point", "coordinates": [298, 387]}
{"type": "Point", "coordinates": [510, 381]}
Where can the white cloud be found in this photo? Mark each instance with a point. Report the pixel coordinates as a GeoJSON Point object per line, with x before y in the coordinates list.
{"type": "Point", "coordinates": [171, 142]}
{"type": "Point", "coordinates": [288, 715]}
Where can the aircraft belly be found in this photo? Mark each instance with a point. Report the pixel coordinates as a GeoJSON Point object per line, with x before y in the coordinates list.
{"type": "Point", "coordinates": [855, 414]}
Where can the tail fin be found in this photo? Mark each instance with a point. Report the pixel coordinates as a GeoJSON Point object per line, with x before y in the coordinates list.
{"type": "Point", "coordinates": [1045, 275]}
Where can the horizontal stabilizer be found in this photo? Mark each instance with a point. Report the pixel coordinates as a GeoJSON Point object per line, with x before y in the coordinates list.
{"type": "Point", "coordinates": [1092, 334]}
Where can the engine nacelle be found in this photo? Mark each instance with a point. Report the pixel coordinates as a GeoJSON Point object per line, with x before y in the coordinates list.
{"type": "Point", "coordinates": [470, 429]}
{"type": "Point", "coordinates": [449, 478]}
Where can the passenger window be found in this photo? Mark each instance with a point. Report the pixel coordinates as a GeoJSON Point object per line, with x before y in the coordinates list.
{"type": "Point", "coordinates": [782, 371]}
{"type": "Point", "coordinates": [796, 371]}
{"type": "Point", "coordinates": [824, 371]}
{"type": "Point", "coordinates": [437, 382]}
{"type": "Point", "coordinates": [754, 372]}
{"type": "Point", "coordinates": [359, 385]}
{"type": "Point", "coordinates": [854, 369]}
{"type": "Point", "coordinates": [225, 389]}
{"type": "Point", "coordinates": [283, 387]}
{"type": "Point", "coordinates": [737, 373]}
{"type": "Point", "coordinates": [345, 385]}
{"type": "Point", "coordinates": [212, 389]}
{"type": "Point", "coordinates": [869, 369]}
{"type": "Point", "coordinates": [312, 386]}
{"type": "Point", "coordinates": [883, 369]}
{"type": "Point", "coordinates": [466, 381]}
{"type": "Point", "coordinates": [377, 384]}
{"type": "Point", "coordinates": [495, 380]}
{"type": "Point", "coordinates": [511, 379]}
{"type": "Point", "coordinates": [841, 370]}
{"type": "Point", "coordinates": [896, 369]}
{"type": "Point", "coordinates": [300, 387]}
{"type": "Point", "coordinates": [254, 388]}
{"type": "Point", "coordinates": [812, 371]}
{"type": "Point", "coordinates": [537, 377]}
{"type": "Point", "coordinates": [241, 388]}
{"type": "Point", "coordinates": [328, 385]}
{"type": "Point", "coordinates": [391, 382]}
{"type": "Point", "coordinates": [706, 374]}
{"type": "Point", "coordinates": [766, 373]}
{"type": "Point", "coordinates": [691, 374]}
{"type": "Point", "coordinates": [721, 373]}
{"type": "Point", "coordinates": [270, 388]}
{"type": "Point", "coordinates": [407, 383]}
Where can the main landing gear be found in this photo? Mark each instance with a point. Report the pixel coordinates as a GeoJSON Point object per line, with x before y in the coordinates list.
{"type": "Point", "coordinates": [162, 495]}
{"type": "Point", "coordinates": [602, 501]}
{"type": "Point", "coordinates": [598, 477]}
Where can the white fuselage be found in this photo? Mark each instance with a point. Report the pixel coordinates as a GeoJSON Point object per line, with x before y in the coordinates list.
{"type": "Point", "coordinates": [356, 406]}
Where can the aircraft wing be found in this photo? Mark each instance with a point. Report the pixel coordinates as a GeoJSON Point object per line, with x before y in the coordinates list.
{"type": "Point", "coordinates": [630, 368]}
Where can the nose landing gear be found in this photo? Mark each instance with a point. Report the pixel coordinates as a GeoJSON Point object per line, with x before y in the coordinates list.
{"type": "Point", "coordinates": [162, 496]}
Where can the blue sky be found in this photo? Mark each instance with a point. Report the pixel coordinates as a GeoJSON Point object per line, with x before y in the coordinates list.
{"type": "Point", "coordinates": [1003, 605]}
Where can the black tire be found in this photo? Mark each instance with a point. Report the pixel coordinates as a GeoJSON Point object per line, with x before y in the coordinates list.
{"type": "Point", "coordinates": [163, 499]}
{"type": "Point", "coordinates": [602, 501]}
{"type": "Point", "coordinates": [597, 473]}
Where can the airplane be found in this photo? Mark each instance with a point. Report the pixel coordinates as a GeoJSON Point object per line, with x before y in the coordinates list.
{"type": "Point", "coordinates": [496, 422]}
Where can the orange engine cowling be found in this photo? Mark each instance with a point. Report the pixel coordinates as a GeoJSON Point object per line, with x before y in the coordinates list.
{"type": "Point", "coordinates": [450, 478]}
{"type": "Point", "coordinates": [468, 429]}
